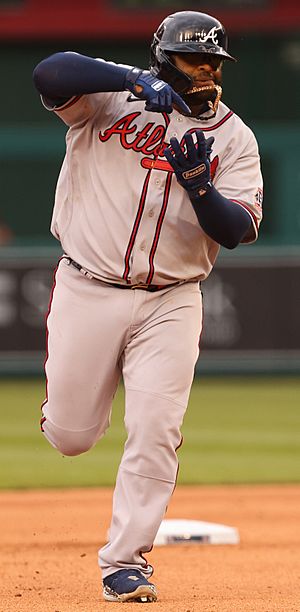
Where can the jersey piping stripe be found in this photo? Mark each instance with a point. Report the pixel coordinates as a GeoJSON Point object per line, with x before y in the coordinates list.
{"type": "Point", "coordinates": [68, 104]}
{"type": "Point", "coordinates": [136, 225]}
{"type": "Point", "coordinates": [158, 227]}
{"type": "Point", "coordinates": [177, 470]}
{"type": "Point", "coordinates": [43, 419]}
{"type": "Point", "coordinates": [166, 118]}
{"type": "Point", "coordinates": [139, 214]}
{"type": "Point", "coordinates": [161, 216]}
{"type": "Point", "coordinates": [217, 125]}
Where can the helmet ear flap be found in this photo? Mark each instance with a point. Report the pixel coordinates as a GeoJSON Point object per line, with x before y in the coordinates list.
{"type": "Point", "coordinates": [154, 63]}
{"type": "Point", "coordinates": [167, 71]}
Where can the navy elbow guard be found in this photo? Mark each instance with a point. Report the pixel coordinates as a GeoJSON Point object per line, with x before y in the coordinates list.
{"type": "Point", "coordinates": [223, 220]}
{"type": "Point", "coordinates": [67, 74]}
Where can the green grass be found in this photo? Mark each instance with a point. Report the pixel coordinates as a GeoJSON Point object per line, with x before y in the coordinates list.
{"type": "Point", "coordinates": [236, 430]}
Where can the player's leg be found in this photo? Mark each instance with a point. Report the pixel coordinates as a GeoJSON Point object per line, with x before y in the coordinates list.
{"type": "Point", "coordinates": [86, 326]}
{"type": "Point", "coordinates": [158, 372]}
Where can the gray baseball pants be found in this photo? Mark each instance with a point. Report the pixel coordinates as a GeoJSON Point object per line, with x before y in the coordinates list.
{"type": "Point", "coordinates": [96, 334]}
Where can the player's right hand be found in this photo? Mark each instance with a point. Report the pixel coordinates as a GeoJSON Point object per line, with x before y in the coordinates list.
{"type": "Point", "coordinates": [159, 96]}
{"type": "Point", "coordinates": [192, 165]}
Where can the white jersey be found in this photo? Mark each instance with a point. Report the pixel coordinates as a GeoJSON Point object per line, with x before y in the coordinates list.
{"type": "Point", "coordinates": [119, 210]}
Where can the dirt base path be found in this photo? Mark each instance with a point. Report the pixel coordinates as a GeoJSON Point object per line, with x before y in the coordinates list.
{"type": "Point", "coordinates": [49, 542]}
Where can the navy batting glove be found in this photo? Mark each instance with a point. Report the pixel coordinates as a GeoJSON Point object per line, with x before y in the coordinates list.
{"type": "Point", "coordinates": [192, 166]}
{"type": "Point", "coordinates": [160, 96]}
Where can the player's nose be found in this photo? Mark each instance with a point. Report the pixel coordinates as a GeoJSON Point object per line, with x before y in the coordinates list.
{"type": "Point", "coordinates": [203, 73]}
{"type": "Point", "coordinates": [206, 67]}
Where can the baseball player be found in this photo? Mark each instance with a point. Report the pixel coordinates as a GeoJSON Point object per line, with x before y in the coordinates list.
{"type": "Point", "coordinates": [158, 174]}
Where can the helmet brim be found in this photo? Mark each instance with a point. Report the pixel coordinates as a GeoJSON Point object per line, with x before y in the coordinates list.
{"type": "Point", "coordinates": [194, 47]}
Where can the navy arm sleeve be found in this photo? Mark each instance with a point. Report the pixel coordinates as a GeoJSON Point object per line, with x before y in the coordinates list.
{"type": "Point", "coordinates": [68, 74]}
{"type": "Point", "coordinates": [223, 220]}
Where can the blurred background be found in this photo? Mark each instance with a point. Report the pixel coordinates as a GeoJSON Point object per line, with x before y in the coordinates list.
{"type": "Point", "coordinates": [243, 419]}
{"type": "Point", "coordinates": [252, 299]}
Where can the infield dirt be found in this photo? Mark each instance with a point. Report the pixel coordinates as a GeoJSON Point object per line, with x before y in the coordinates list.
{"type": "Point", "coordinates": [49, 543]}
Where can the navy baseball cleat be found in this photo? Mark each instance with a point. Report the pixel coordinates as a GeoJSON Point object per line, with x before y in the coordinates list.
{"type": "Point", "coordinates": [128, 585]}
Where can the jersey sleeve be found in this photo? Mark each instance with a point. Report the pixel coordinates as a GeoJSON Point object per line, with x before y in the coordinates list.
{"type": "Point", "coordinates": [82, 107]}
{"type": "Point", "coordinates": [78, 108]}
{"type": "Point", "coordinates": [240, 178]}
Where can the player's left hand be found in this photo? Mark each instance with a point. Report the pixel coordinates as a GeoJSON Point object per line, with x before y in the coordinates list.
{"type": "Point", "coordinates": [192, 167]}
{"type": "Point", "coordinates": [159, 96]}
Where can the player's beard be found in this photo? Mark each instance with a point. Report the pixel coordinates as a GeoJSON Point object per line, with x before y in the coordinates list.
{"type": "Point", "coordinates": [204, 99]}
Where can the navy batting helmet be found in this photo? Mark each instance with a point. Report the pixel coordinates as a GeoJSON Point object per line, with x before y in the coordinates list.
{"type": "Point", "coordinates": [186, 32]}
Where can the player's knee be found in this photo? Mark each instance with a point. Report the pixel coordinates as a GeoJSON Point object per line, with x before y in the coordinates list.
{"type": "Point", "coordinates": [69, 443]}
{"type": "Point", "coordinates": [72, 445]}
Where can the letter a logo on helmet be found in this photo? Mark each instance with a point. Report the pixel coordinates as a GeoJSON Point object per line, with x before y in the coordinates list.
{"type": "Point", "coordinates": [211, 35]}
{"type": "Point", "coordinates": [202, 36]}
